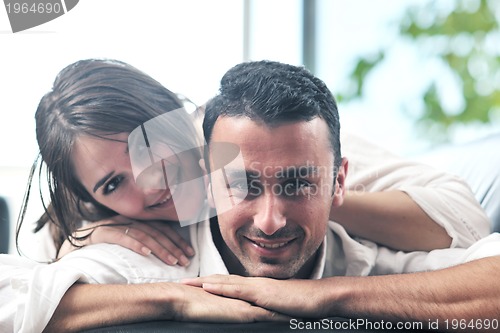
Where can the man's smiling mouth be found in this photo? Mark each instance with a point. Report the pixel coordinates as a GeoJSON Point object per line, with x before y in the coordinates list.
{"type": "Point", "coordinates": [269, 244]}
{"type": "Point", "coordinates": [272, 246]}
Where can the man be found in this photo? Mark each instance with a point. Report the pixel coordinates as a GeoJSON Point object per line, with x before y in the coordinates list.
{"type": "Point", "coordinates": [274, 223]}
{"type": "Point", "coordinates": [278, 235]}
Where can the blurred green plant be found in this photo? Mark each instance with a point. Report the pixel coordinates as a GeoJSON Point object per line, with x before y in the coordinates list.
{"type": "Point", "coordinates": [465, 37]}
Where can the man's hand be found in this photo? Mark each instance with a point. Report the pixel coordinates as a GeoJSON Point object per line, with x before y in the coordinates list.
{"type": "Point", "coordinates": [196, 304]}
{"type": "Point", "coordinates": [296, 298]}
{"type": "Point", "coordinates": [142, 237]}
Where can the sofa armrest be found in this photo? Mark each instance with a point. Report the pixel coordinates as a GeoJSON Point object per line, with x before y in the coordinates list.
{"type": "Point", "coordinates": [4, 226]}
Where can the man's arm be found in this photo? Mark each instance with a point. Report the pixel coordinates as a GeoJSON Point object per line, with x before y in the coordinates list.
{"type": "Point", "coordinates": [465, 292]}
{"type": "Point", "coordinates": [87, 306]}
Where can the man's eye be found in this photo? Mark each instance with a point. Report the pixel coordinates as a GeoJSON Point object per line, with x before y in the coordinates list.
{"type": "Point", "coordinates": [112, 185]}
{"type": "Point", "coordinates": [245, 188]}
{"type": "Point", "coordinates": [297, 187]}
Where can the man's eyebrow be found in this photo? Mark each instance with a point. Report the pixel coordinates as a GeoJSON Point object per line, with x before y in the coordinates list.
{"type": "Point", "coordinates": [241, 173]}
{"type": "Point", "coordinates": [298, 171]}
{"type": "Point", "coordinates": [102, 181]}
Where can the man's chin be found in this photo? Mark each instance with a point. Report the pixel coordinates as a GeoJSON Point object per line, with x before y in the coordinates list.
{"type": "Point", "coordinates": [276, 272]}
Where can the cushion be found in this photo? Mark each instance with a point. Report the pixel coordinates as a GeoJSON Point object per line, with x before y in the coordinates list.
{"type": "Point", "coordinates": [478, 163]}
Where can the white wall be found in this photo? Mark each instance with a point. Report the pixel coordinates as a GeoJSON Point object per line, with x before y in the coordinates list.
{"type": "Point", "coordinates": [185, 44]}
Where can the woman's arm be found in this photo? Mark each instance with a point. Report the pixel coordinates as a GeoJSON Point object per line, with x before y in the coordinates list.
{"type": "Point", "coordinates": [390, 218]}
{"type": "Point", "coordinates": [406, 205]}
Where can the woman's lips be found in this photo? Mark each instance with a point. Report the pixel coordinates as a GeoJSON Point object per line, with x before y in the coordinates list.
{"type": "Point", "coordinates": [165, 198]}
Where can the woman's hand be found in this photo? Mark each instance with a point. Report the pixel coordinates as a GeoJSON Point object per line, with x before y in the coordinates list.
{"type": "Point", "coordinates": [156, 237]}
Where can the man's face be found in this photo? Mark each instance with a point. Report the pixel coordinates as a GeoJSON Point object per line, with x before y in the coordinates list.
{"type": "Point", "coordinates": [281, 196]}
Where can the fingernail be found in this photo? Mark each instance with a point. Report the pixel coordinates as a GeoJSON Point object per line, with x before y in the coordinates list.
{"type": "Point", "coordinates": [184, 260]}
{"type": "Point", "coordinates": [190, 251]}
{"type": "Point", "coordinates": [173, 260]}
{"type": "Point", "coordinates": [146, 251]}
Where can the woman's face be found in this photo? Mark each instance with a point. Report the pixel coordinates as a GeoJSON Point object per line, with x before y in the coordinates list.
{"type": "Point", "coordinates": [104, 169]}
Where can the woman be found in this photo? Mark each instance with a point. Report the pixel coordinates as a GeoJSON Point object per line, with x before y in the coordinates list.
{"type": "Point", "coordinates": [82, 126]}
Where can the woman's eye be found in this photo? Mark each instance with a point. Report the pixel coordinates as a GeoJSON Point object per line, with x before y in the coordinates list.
{"type": "Point", "coordinates": [112, 185]}
{"type": "Point", "coordinates": [239, 185]}
{"type": "Point", "coordinates": [245, 188]}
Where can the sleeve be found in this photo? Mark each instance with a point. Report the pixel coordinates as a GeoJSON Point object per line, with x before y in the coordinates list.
{"type": "Point", "coordinates": [26, 286]}
{"type": "Point", "coordinates": [486, 247]}
{"type": "Point", "coordinates": [394, 262]}
{"type": "Point", "coordinates": [446, 198]}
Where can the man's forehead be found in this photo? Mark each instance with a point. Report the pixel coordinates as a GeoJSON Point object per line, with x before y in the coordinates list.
{"type": "Point", "coordinates": [288, 145]}
{"type": "Point", "coordinates": [239, 128]}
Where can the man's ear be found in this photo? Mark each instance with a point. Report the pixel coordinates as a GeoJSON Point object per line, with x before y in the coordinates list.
{"type": "Point", "coordinates": [338, 195]}
{"type": "Point", "coordinates": [208, 186]}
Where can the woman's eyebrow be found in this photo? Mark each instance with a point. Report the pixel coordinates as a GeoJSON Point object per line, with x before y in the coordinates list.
{"type": "Point", "coordinates": [240, 173]}
{"type": "Point", "coordinates": [102, 181]}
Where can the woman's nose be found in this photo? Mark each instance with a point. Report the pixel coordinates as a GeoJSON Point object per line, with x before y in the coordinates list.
{"type": "Point", "coordinates": [153, 179]}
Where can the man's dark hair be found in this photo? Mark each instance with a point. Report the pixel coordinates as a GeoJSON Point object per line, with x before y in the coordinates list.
{"type": "Point", "coordinates": [274, 93]}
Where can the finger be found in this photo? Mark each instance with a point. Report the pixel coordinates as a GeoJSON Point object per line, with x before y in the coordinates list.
{"type": "Point", "coordinates": [155, 237]}
{"type": "Point", "coordinates": [122, 237]}
{"type": "Point", "coordinates": [194, 282]}
{"type": "Point", "coordinates": [143, 243]}
{"type": "Point", "coordinates": [216, 279]}
{"type": "Point", "coordinates": [175, 238]}
{"type": "Point", "coordinates": [228, 290]}
{"type": "Point", "coordinates": [166, 236]}
{"type": "Point", "coordinates": [268, 315]}
{"type": "Point", "coordinates": [161, 247]}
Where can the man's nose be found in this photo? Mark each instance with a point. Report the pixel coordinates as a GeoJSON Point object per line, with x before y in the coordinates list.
{"type": "Point", "coordinates": [270, 214]}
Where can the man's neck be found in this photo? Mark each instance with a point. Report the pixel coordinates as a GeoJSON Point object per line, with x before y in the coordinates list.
{"type": "Point", "coordinates": [232, 263]}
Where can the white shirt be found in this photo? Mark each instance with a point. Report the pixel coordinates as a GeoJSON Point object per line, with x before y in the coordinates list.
{"type": "Point", "coordinates": [26, 287]}
{"type": "Point", "coordinates": [30, 292]}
